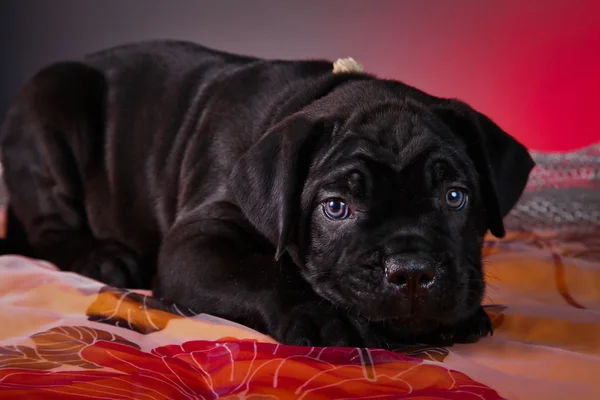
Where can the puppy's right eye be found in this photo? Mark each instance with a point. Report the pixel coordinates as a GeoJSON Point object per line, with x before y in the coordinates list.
{"type": "Point", "coordinates": [336, 209]}
{"type": "Point", "coordinates": [456, 199]}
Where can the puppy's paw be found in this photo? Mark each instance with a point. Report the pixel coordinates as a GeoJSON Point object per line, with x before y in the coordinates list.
{"type": "Point", "coordinates": [112, 263]}
{"type": "Point", "coordinates": [473, 328]}
{"type": "Point", "coordinates": [320, 324]}
{"type": "Point", "coordinates": [469, 330]}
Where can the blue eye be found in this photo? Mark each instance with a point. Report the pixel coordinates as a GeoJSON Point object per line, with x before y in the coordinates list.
{"type": "Point", "coordinates": [456, 199]}
{"type": "Point", "coordinates": [336, 209]}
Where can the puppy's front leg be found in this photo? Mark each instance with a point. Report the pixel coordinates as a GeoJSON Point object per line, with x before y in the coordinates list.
{"type": "Point", "coordinates": [214, 262]}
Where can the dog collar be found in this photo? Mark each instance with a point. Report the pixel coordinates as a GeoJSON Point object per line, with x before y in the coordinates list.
{"type": "Point", "coordinates": [347, 65]}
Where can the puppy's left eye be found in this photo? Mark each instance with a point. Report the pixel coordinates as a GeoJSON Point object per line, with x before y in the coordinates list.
{"type": "Point", "coordinates": [456, 198]}
{"type": "Point", "coordinates": [336, 209]}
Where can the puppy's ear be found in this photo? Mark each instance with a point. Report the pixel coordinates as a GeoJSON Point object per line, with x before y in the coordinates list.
{"type": "Point", "coordinates": [268, 179]}
{"type": "Point", "coordinates": [502, 162]}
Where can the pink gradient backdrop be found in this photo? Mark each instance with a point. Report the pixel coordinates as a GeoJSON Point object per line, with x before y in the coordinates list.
{"type": "Point", "coordinates": [535, 70]}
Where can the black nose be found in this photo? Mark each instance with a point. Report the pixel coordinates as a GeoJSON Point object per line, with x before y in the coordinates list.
{"type": "Point", "coordinates": [410, 273]}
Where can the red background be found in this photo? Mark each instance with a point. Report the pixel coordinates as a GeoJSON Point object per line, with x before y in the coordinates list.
{"type": "Point", "coordinates": [533, 67]}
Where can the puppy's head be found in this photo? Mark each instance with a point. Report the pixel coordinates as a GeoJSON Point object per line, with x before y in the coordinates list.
{"type": "Point", "coordinates": [382, 195]}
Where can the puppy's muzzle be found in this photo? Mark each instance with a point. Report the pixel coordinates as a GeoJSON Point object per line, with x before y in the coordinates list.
{"type": "Point", "coordinates": [412, 276]}
{"type": "Point", "coordinates": [411, 273]}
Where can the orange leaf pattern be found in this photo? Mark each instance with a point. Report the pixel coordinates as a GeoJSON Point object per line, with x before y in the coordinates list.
{"type": "Point", "coordinates": [496, 314]}
{"type": "Point", "coordinates": [134, 311]}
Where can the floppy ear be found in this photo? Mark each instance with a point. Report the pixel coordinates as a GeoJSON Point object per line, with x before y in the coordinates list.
{"type": "Point", "coordinates": [502, 162]}
{"type": "Point", "coordinates": [268, 179]}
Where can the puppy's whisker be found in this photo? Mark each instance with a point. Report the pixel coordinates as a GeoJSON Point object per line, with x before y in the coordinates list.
{"type": "Point", "coordinates": [490, 300]}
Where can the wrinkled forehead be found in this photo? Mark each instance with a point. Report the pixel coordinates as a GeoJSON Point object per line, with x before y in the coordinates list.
{"type": "Point", "coordinates": [397, 135]}
{"type": "Point", "coordinates": [390, 146]}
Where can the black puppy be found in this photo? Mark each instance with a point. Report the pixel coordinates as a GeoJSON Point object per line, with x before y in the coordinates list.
{"type": "Point", "coordinates": [320, 208]}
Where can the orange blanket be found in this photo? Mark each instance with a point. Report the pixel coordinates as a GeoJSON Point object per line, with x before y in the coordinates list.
{"type": "Point", "coordinates": [64, 336]}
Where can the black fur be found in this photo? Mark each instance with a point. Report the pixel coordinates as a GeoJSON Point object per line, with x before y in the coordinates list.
{"type": "Point", "coordinates": [207, 172]}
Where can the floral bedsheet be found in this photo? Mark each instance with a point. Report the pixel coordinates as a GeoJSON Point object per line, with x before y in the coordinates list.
{"type": "Point", "coordinates": [65, 336]}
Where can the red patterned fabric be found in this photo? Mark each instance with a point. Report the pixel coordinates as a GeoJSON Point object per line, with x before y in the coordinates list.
{"type": "Point", "coordinates": [117, 369]}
